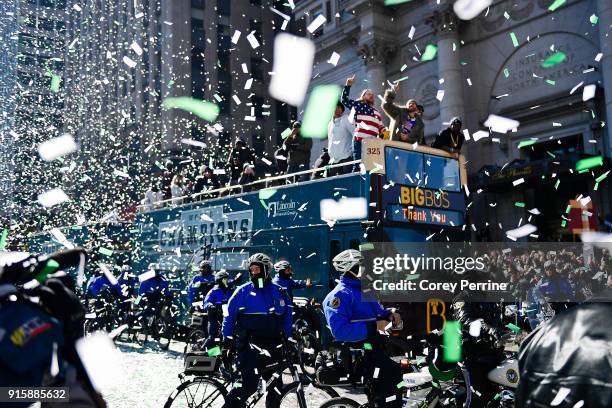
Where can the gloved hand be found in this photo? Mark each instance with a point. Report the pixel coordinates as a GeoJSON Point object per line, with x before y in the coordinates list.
{"type": "Point", "coordinates": [64, 305]}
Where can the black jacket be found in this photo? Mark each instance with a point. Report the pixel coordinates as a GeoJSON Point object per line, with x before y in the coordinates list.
{"type": "Point", "coordinates": [444, 141]}
{"type": "Point", "coordinates": [573, 350]}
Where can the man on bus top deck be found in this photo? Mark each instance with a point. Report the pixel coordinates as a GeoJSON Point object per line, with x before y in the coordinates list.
{"type": "Point", "coordinates": [283, 278]}
{"type": "Point", "coordinates": [354, 320]}
{"type": "Point", "coordinates": [259, 315]}
{"type": "Point", "coordinates": [201, 283]}
{"type": "Point", "coordinates": [213, 303]}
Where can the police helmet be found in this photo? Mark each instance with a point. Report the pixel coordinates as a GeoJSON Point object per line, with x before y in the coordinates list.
{"type": "Point", "coordinates": [221, 275]}
{"type": "Point", "coordinates": [263, 261]}
{"type": "Point", "coordinates": [346, 260]}
{"type": "Point", "coordinates": [281, 266]}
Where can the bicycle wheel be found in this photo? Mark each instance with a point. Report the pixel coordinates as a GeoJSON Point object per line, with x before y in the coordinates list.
{"type": "Point", "coordinates": [314, 395]}
{"type": "Point", "coordinates": [340, 402]}
{"type": "Point", "coordinates": [308, 347]}
{"type": "Point", "coordinates": [201, 392]}
{"type": "Point", "coordinates": [194, 338]}
{"type": "Point", "coordinates": [163, 328]}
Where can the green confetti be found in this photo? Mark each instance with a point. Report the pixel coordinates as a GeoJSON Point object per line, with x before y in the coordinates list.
{"type": "Point", "coordinates": [589, 163]}
{"type": "Point", "coordinates": [557, 184]}
{"type": "Point", "coordinates": [105, 251]}
{"type": "Point", "coordinates": [556, 5]}
{"type": "Point", "coordinates": [286, 133]}
{"type": "Point", "coordinates": [395, 2]}
{"type": "Point", "coordinates": [550, 82]}
{"type": "Point", "coordinates": [451, 340]}
{"type": "Point", "coordinates": [513, 327]}
{"type": "Point", "coordinates": [596, 186]}
{"type": "Point", "coordinates": [368, 246]}
{"type": "Point", "coordinates": [506, 72]}
{"type": "Point", "coordinates": [50, 266]}
{"type": "Point", "coordinates": [263, 203]}
{"type": "Point", "coordinates": [266, 193]}
{"type": "Point", "coordinates": [403, 67]}
{"type": "Point", "coordinates": [527, 142]}
{"type": "Point", "coordinates": [568, 209]}
{"type": "Point", "coordinates": [260, 282]}
{"type": "Point", "coordinates": [202, 109]}
{"type": "Point", "coordinates": [514, 39]}
{"type": "Point", "coordinates": [563, 224]}
{"type": "Point", "coordinates": [594, 19]}
{"type": "Point", "coordinates": [550, 154]}
{"type": "Point", "coordinates": [519, 204]}
{"type": "Point", "coordinates": [56, 80]}
{"type": "Point", "coordinates": [367, 346]}
{"type": "Point", "coordinates": [402, 384]}
{"type": "Point", "coordinates": [3, 239]}
{"type": "Point", "coordinates": [557, 58]}
{"type": "Point", "coordinates": [320, 110]}
{"type": "Point", "coordinates": [400, 80]}
{"type": "Point", "coordinates": [597, 180]}
{"type": "Point", "coordinates": [214, 352]}
{"type": "Point", "coordinates": [430, 52]}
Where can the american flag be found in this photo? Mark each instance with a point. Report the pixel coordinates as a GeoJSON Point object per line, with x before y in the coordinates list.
{"type": "Point", "coordinates": [367, 118]}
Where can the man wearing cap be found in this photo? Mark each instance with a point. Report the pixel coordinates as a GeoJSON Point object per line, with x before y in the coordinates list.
{"type": "Point", "coordinates": [406, 123]}
{"type": "Point", "coordinates": [450, 139]}
{"type": "Point", "coordinates": [299, 151]}
{"type": "Point", "coordinates": [340, 141]}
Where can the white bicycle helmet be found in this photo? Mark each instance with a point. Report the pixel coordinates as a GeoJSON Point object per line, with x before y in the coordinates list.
{"type": "Point", "coordinates": [281, 266]}
{"type": "Point", "coordinates": [346, 260]}
{"type": "Point", "coordinates": [263, 261]}
{"type": "Point", "coordinates": [222, 274]}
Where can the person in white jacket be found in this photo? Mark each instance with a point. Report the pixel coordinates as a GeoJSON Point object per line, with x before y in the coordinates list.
{"type": "Point", "coordinates": [340, 141]}
{"type": "Point", "coordinates": [177, 189]}
{"type": "Point", "coordinates": [152, 197]}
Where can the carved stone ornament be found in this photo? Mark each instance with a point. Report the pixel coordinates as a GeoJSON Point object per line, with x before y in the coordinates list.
{"type": "Point", "coordinates": [443, 21]}
{"type": "Point", "coordinates": [377, 51]}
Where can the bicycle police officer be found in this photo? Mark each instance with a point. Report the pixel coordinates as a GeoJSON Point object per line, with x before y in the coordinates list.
{"type": "Point", "coordinates": [213, 304]}
{"type": "Point", "coordinates": [356, 320]}
{"type": "Point", "coordinates": [284, 279]}
{"type": "Point", "coordinates": [201, 283]}
{"type": "Point", "coordinates": [259, 315]}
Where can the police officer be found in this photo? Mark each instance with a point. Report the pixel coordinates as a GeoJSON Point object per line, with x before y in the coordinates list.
{"type": "Point", "coordinates": [283, 278]}
{"type": "Point", "coordinates": [201, 283]}
{"type": "Point", "coordinates": [356, 320]}
{"type": "Point", "coordinates": [99, 283]}
{"type": "Point", "coordinates": [213, 304]}
{"type": "Point", "coordinates": [259, 315]}
{"type": "Point", "coordinates": [154, 290]}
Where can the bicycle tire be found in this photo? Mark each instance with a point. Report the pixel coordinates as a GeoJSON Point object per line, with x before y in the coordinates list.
{"type": "Point", "coordinates": [285, 398]}
{"type": "Point", "coordinates": [341, 402]}
{"type": "Point", "coordinates": [306, 360]}
{"type": "Point", "coordinates": [180, 395]}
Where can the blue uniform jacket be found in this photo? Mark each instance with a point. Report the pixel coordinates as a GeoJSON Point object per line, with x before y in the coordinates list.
{"type": "Point", "coordinates": [261, 312]}
{"type": "Point", "coordinates": [194, 285]}
{"type": "Point", "coordinates": [217, 296]}
{"type": "Point", "coordinates": [347, 315]}
{"type": "Point", "coordinates": [99, 283]}
{"type": "Point", "coordinates": [155, 285]}
{"type": "Point", "coordinates": [289, 284]}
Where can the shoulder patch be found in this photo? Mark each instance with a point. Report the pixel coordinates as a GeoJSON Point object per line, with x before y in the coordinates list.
{"type": "Point", "coordinates": [335, 303]}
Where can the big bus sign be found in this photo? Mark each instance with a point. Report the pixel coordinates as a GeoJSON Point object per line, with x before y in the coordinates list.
{"type": "Point", "coordinates": [420, 185]}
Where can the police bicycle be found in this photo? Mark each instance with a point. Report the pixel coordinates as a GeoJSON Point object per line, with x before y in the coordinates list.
{"type": "Point", "coordinates": [306, 318]}
{"type": "Point", "coordinates": [208, 376]}
{"type": "Point", "coordinates": [156, 320]}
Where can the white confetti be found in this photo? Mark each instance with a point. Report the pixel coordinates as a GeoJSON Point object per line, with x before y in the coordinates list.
{"type": "Point", "coordinates": [561, 394]}
{"type": "Point", "coordinates": [346, 208]}
{"type": "Point", "coordinates": [518, 181]}
{"type": "Point", "coordinates": [252, 40]}
{"type": "Point", "coordinates": [335, 57]}
{"type": "Point", "coordinates": [129, 62]}
{"type": "Point", "coordinates": [146, 276]}
{"type": "Point", "coordinates": [499, 124]}
{"type": "Point", "coordinates": [193, 142]}
{"type": "Point", "coordinates": [136, 48]}
{"type": "Point", "coordinates": [293, 58]}
{"type": "Point", "coordinates": [521, 231]}
{"type": "Point", "coordinates": [598, 57]}
{"type": "Point", "coordinates": [481, 134]}
{"type": "Point", "coordinates": [469, 9]}
{"type": "Point", "coordinates": [52, 197]}
{"type": "Point", "coordinates": [236, 37]}
{"type": "Point", "coordinates": [411, 33]}
{"type": "Point", "coordinates": [100, 359]}
{"type": "Point", "coordinates": [57, 147]}
{"type": "Point", "coordinates": [248, 83]}
{"type": "Point", "coordinates": [588, 92]}
{"type": "Point", "coordinates": [440, 95]}
{"type": "Point", "coordinates": [316, 23]}
{"type": "Point", "coordinates": [109, 275]}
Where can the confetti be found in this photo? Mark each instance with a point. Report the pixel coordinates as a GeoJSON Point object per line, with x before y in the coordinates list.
{"type": "Point", "coordinates": [499, 124]}
{"type": "Point", "coordinates": [589, 163]}
{"type": "Point", "coordinates": [136, 48]}
{"type": "Point", "coordinates": [56, 81]}
{"type": "Point", "coordinates": [100, 359]}
{"type": "Point", "coordinates": [412, 32]}
{"type": "Point", "coordinates": [202, 109]}
{"type": "Point", "coordinates": [253, 40]}
{"type": "Point", "coordinates": [561, 395]}
{"type": "Point", "coordinates": [129, 62]}
{"type": "Point", "coordinates": [588, 92]}
{"type": "Point", "coordinates": [320, 110]}
{"type": "Point", "coordinates": [514, 39]}
{"type": "Point", "coordinates": [451, 339]}
{"type": "Point", "coordinates": [556, 58]}
{"type": "Point", "coordinates": [430, 52]}
{"type": "Point", "coordinates": [521, 232]}
{"type": "Point", "coordinates": [52, 197]}
{"type": "Point", "coordinates": [594, 19]}
{"type": "Point", "coordinates": [556, 4]}
{"type": "Point", "coordinates": [395, 2]}
{"type": "Point", "coordinates": [346, 208]}
{"type": "Point", "coordinates": [316, 23]}
{"type": "Point", "coordinates": [236, 37]}
{"type": "Point", "coordinates": [469, 9]}
{"type": "Point", "coordinates": [57, 147]}
{"type": "Point", "coordinates": [146, 276]}
{"type": "Point", "coordinates": [293, 59]}
{"type": "Point", "coordinates": [335, 57]}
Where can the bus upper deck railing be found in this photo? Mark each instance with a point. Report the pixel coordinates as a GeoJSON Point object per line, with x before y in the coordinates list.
{"type": "Point", "coordinates": [275, 181]}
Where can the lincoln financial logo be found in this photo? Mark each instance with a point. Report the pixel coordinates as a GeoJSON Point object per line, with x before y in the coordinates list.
{"type": "Point", "coordinates": [281, 208]}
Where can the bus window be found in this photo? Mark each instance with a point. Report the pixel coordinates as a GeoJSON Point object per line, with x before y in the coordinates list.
{"type": "Point", "coordinates": [354, 244]}
{"type": "Point", "coordinates": [404, 167]}
{"type": "Point", "coordinates": [442, 173]}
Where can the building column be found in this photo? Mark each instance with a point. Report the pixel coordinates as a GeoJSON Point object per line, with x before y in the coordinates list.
{"type": "Point", "coordinates": [376, 53]}
{"type": "Point", "coordinates": [445, 26]}
{"type": "Point", "coordinates": [604, 12]}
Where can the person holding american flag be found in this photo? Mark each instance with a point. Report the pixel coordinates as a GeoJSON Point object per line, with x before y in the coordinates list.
{"type": "Point", "coordinates": [368, 121]}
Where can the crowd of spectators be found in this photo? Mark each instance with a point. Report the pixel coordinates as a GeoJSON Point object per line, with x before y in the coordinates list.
{"type": "Point", "coordinates": [353, 121]}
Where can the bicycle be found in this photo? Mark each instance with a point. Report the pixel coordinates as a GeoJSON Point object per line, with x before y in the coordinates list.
{"type": "Point", "coordinates": [156, 320]}
{"type": "Point", "coordinates": [207, 378]}
{"type": "Point", "coordinates": [305, 324]}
